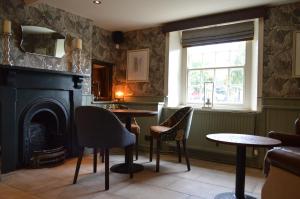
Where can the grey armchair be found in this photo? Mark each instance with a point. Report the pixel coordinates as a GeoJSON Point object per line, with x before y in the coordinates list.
{"type": "Point", "coordinates": [175, 128]}
{"type": "Point", "coordinates": [99, 128]}
{"type": "Point", "coordinates": [135, 128]}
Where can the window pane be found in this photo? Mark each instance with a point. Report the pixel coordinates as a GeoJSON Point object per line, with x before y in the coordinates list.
{"type": "Point", "coordinates": [226, 70]}
{"type": "Point", "coordinates": [217, 55]}
{"type": "Point", "coordinates": [236, 86]}
{"type": "Point", "coordinates": [194, 86]}
{"type": "Point", "coordinates": [196, 81]}
{"type": "Point", "coordinates": [194, 59]}
{"type": "Point", "coordinates": [208, 60]}
{"type": "Point", "coordinates": [223, 58]}
{"type": "Point", "coordinates": [221, 86]}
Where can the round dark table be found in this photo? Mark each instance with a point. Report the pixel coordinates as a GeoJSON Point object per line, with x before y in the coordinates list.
{"type": "Point", "coordinates": [241, 141]}
{"type": "Point", "coordinates": [128, 114]}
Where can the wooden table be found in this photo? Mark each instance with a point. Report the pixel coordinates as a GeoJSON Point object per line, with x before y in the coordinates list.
{"type": "Point", "coordinates": [241, 141]}
{"type": "Point", "coordinates": [128, 114]}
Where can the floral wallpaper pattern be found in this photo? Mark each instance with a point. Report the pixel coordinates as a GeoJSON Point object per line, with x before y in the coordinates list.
{"type": "Point", "coordinates": [97, 44]}
{"type": "Point", "coordinates": [282, 21]}
{"type": "Point", "coordinates": [155, 41]}
{"type": "Point", "coordinates": [103, 48]}
{"type": "Point", "coordinates": [278, 51]}
{"type": "Point", "coordinates": [70, 25]}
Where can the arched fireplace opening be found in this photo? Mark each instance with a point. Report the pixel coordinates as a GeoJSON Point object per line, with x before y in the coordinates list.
{"type": "Point", "coordinates": [43, 138]}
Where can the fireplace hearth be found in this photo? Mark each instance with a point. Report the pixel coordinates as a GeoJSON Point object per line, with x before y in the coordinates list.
{"type": "Point", "coordinates": [36, 122]}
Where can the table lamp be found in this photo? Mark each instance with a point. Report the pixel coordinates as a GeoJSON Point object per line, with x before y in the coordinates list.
{"type": "Point", "coordinates": [119, 95]}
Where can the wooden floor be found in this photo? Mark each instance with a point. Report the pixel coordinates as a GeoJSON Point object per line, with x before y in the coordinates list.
{"type": "Point", "coordinates": [204, 181]}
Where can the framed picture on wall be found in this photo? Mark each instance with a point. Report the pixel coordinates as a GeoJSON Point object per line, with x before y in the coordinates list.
{"type": "Point", "coordinates": [296, 55]}
{"type": "Point", "coordinates": [138, 65]}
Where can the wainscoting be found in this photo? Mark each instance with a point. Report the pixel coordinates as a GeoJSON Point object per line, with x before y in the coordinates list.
{"type": "Point", "coordinates": [278, 114]}
{"type": "Point", "coordinates": [206, 121]}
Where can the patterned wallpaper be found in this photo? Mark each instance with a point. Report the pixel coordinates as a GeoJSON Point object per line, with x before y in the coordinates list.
{"type": "Point", "coordinates": [70, 25]}
{"type": "Point", "coordinates": [155, 41]}
{"type": "Point", "coordinates": [278, 52]}
{"type": "Point", "coordinates": [97, 44]}
{"type": "Point", "coordinates": [103, 48]}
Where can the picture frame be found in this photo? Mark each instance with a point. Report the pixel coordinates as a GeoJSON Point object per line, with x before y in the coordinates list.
{"type": "Point", "coordinates": [137, 65]}
{"type": "Point", "coordinates": [296, 51]}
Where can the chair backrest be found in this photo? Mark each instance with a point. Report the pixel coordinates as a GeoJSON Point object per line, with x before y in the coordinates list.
{"type": "Point", "coordinates": [98, 127]}
{"type": "Point", "coordinates": [180, 121]}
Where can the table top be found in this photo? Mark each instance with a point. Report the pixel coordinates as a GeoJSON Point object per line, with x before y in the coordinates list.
{"type": "Point", "coordinates": [243, 139]}
{"type": "Point", "coordinates": [133, 112]}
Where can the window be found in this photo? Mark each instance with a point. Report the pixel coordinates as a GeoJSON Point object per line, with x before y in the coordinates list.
{"type": "Point", "coordinates": [223, 64]}
{"type": "Point", "coordinates": [227, 55]}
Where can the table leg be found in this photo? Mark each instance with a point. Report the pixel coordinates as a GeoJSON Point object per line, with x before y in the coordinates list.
{"type": "Point", "coordinates": [240, 177]}
{"type": "Point", "coordinates": [125, 167]}
{"type": "Point", "coordinates": [240, 171]}
{"type": "Point", "coordinates": [128, 127]}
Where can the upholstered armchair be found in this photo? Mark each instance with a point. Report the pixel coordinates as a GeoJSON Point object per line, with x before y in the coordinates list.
{"type": "Point", "coordinates": [282, 166]}
{"type": "Point", "coordinates": [175, 128]}
{"type": "Point", "coordinates": [135, 128]}
{"type": "Point", "coordinates": [99, 128]}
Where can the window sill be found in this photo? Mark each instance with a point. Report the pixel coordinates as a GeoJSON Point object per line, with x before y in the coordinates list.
{"type": "Point", "coordinates": [215, 109]}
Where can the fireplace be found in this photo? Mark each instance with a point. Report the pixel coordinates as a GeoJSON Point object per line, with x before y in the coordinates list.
{"type": "Point", "coordinates": [36, 122]}
{"type": "Point", "coordinates": [43, 128]}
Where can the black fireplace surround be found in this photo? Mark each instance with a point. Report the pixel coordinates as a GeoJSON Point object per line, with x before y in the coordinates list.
{"type": "Point", "coordinates": [37, 110]}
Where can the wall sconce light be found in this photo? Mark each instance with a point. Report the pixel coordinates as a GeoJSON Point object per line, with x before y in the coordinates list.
{"type": "Point", "coordinates": [119, 96]}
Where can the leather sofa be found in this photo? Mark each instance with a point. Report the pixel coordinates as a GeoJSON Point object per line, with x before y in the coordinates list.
{"type": "Point", "coordinates": [282, 167]}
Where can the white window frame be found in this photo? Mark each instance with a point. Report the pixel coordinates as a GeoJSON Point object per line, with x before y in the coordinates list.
{"type": "Point", "coordinates": [246, 84]}
{"type": "Point", "coordinates": [253, 73]}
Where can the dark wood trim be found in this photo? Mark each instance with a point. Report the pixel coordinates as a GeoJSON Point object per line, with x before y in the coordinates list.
{"type": "Point", "coordinates": [225, 17]}
{"type": "Point", "coordinates": [95, 61]}
{"type": "Point", "coordinates": [106, 64]}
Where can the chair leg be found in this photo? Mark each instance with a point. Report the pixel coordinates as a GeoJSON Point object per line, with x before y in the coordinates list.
{"type": "Point", "coordinates": [151, 149]}
{"type": "Point", "coordinates": [101, 155]}
{"type": "Point", "coordinates": [178, 151]}
{"type": "Point", "coordinates": [106, 169]}
{"type": "Point", "coordinates": [80, 155]}
{"type": "Point", "coordinates": [130, 154]}
{"type": "Point", "coordinates": [136, 147]}
{"type": "Point", "coordinates": [186, 155]}
{"type": "Point", "coordinates": [95, 160]}
{"type": "Point", "coordinates": [157, 154]}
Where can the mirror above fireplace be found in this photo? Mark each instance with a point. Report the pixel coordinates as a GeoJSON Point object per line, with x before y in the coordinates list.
{"type": "Point", "coordinates": [42, 41]}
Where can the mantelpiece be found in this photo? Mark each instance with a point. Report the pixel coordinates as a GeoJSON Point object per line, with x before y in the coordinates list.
{"type": "Point", "coordinates": [26, 92]}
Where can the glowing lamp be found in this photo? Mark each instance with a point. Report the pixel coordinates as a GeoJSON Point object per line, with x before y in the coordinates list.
{"type": "Point", "coordinates": [119, 95]}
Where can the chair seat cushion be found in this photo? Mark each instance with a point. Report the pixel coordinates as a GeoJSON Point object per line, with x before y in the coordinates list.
{"type": "Point", "coordinates": [135, 129]}
{"type": "Point", "coordinates": [157, 130]}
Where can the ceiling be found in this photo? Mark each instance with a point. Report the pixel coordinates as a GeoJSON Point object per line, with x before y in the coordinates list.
{"type": "Point", "coordinates": [126, 15]}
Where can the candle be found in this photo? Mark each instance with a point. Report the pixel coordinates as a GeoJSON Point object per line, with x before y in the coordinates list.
{"type": "Point", "coordinates": [78, 43]}
{"type": "Point", "coordinates": [6, 26]}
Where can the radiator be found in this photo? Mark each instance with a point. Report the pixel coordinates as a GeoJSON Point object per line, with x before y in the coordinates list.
{"type": "Point", "coordinates": [218, 122]}
{"type": "Point", "coordinates": [206, 122]}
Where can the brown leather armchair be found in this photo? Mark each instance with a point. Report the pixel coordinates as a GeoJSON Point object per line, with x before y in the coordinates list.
{"type": "Point", "coordinates": [282, 166]}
